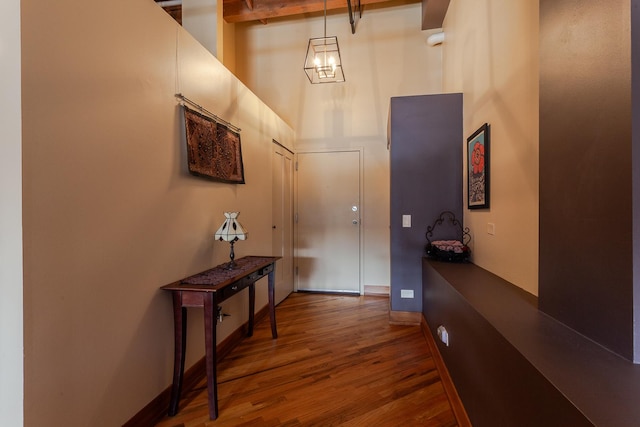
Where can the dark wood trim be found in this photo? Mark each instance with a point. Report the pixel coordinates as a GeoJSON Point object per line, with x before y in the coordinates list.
{"type": "Point", "coordinates": [153, 412]}
{"type": "Point", "coordinates": [454, 399]}
{"type": "Point", "coordinates": [157, 408]}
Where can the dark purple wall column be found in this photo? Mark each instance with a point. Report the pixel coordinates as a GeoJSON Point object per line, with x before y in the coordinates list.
{"type": "Point", "coordinates": [635, 158]}
{"type": "Point", "coordinates": [426, 179]}
{"type": "Point", "coordinates": [586, 191]}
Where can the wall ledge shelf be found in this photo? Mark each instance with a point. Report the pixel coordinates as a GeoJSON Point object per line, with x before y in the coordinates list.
{"type": "Point", "coordinates": [502, 346]}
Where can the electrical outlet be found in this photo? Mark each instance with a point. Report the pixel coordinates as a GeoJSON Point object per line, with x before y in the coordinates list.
{"type": "Point", "coordinates": [443, 335]}
{"type": "Point", "coordinates": [406, 293]}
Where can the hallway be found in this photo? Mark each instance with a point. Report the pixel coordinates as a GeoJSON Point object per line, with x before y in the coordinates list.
{"type": "Point", "coordinates": [337, 361]}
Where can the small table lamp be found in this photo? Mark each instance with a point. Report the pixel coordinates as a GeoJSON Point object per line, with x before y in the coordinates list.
{"type": "Point", "coordinates": [231, 231]}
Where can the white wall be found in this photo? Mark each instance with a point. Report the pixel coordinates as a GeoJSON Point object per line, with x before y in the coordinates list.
{"type": "Point", "coordinates": [388, 56]}
{"type": "Point", "coordinates": [490, 54]}
{"type": "Point", "coordinates": [203, 20]}
{"type": "Point", "coordinates": [200, 19]}
{"type": "Point", "coordinates": [110, 212]}
{"type": "Point", "coordinates": [11, 283]}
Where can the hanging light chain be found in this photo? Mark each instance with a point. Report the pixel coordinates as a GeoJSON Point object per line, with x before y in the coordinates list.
{"type": "Point", "coordinates": [325, 19]}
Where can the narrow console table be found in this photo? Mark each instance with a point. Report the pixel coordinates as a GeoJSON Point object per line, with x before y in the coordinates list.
{"type": "Point", "coordinates": [208, 289]}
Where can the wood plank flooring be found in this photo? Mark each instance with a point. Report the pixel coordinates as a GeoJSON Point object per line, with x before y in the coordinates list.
{"type": "Point", "coordinates": [337, 361]}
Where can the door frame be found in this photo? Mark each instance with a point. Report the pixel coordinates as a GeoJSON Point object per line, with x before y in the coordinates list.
{"type": "Point", "coordinates": [303, 150]}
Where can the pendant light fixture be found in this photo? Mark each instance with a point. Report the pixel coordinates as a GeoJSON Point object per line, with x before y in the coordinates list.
{"type": "Point", "coordinates": [322, 63]}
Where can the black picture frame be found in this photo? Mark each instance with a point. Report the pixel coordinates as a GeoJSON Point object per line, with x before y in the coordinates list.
{"type": "Point", "coordinates": [478, 168]}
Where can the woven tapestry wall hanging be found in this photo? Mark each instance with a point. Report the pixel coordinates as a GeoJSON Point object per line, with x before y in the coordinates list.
{"type": "Point", "coordinates": [213, 150]}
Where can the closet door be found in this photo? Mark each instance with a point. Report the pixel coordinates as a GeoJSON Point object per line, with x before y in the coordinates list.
{"type": "Point", "coordinates": [282, 214]}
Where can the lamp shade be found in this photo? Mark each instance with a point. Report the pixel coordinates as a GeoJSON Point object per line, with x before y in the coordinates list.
{"type": "Point", "coordinates": [231, 230]}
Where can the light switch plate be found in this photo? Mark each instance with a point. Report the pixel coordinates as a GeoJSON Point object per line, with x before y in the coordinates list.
{"type": "Point", "coordinates": [491, 228]}
{"type": "Point", "coordinates": [406, 221]}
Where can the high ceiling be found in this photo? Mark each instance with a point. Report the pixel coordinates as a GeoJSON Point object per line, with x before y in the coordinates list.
{"type": "Point", "coordinates": [234, 11]}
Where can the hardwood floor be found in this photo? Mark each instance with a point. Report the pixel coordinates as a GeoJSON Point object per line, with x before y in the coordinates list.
{"type": "Point", "coordinates": [337, 361]}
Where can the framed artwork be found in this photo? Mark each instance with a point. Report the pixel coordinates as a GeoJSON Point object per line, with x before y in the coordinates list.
{"type": "Point", "coordinates": [213, 149]}
{"type": "Point", "coordinates": [478, 168]}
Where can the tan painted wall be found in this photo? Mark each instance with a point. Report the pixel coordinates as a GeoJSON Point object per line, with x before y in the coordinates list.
{"type": "Point", "coordinates": [110, 211]}
{"type": "Point", "coordinates": [388, 56]}
{"type": "Point", "coordinates": [490, 54]}
{"type": "Point", "coordinates": [226, 42]}
{"type": "Point", "coordinates": [11, 283]}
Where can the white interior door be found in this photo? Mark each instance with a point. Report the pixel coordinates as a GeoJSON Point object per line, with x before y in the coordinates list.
{"type": "Point", "coordinates": [282, 215]}
{"type": "Point", "coordinates": [328, 221]}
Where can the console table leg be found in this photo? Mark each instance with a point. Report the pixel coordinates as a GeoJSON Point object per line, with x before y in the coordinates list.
{"type": "Point", "coordinates": [272, 301]}
{"type": "Point", "coordinates": [252, 308]}
{"type": "Point", "coordinates": [180, 340]}
{"type": "Point", "coordinates": [210, 321]}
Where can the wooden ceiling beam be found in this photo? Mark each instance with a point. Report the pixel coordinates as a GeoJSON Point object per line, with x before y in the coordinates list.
{"type": "Point", "coordinates": [234, 11]}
